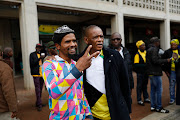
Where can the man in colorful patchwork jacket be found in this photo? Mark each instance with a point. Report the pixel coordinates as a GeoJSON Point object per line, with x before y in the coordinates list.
{"type": "Point", "coordinates": [64, 81]}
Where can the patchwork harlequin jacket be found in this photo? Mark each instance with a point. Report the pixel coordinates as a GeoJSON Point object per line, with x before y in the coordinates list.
{"type": "Point", "coordinates": [66, 92]}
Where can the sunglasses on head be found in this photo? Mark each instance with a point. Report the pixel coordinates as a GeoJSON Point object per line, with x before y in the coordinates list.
{"type": "Point", "coordinates": [116, 39]}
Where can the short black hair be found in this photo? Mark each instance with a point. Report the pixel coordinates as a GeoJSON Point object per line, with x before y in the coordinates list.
{"type": "Point", "coordinates": [6, 52]}
{"type": "Point", "coordinates": [88, 28]}
{"type": "Point", "coordinates": [57, 38]}
{"type": "Point", "coordinates": [154, 39]}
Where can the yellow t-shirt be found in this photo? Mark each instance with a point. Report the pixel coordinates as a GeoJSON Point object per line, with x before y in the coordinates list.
{"type": "Point", "coordinates": [40, 68]}
{"type": "Point", "coordinates": [136, 57]}
{"type": "Point", "coordinates": [100, 109]}
{"type": "Point", "coordinates": [172, 62]}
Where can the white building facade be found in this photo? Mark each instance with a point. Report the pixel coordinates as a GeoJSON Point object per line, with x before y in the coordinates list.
{"type": "Point", "coordinates": [160, 17]}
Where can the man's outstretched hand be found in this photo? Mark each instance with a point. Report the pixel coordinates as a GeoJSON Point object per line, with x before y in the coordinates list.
{"type": "Point", "coordinates": [85, 61]}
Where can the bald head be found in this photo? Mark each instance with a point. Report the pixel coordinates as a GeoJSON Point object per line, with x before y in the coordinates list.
{"type": "Point", "coordinates": [115, 41]}
{"type": "Point", "coordinates": [116, 34]}
{"type": "Point", "coordinates": [94, 36]}
{"type": "Point", "coordinates": [87, 30]}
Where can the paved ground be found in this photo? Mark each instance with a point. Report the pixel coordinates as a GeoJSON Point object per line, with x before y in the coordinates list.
{"type": "Point", "coordinates": [27, 110]}
{"type": "Point", "coordinates": [173, 115]}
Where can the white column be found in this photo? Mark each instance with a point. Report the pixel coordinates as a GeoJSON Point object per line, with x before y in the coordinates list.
{"type": "Point", "coordinates": [165, 34]}
{"type": "Point", "coordinates": [117, 25]}
{"type": "Point", "coordinates": [114, 23]}
{"type": "Point", "coordinates": [29, 36]}
{"type": "Point", "coordinates": [117, 22]}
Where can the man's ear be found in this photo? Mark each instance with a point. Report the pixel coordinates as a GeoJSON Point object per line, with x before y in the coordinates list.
{"type": "Point", "coordinates": [86, 40]}
{"type": "Point", "coordinates": [57, 46]}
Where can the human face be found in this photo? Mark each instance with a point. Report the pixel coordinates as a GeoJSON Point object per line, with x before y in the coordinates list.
{"type": "Point", "coordinates": [95, 38]}
{"type": "Point", "coordinates": [174, 46]}
{"type": "Point", "coordinates": [67, 46]}
{"type": "Point", "coordinates": [38, 49]}
{"type": "Point", "coordinates": [116, 40]}
{"type": "Point", "coordinates": [157, 44]}
{"type": "Point", "coordinates": [10, 54]}
{"type": "Point", "coordinates": [142, 47]}
{"type": "Point", "coordinates": [52, 51]}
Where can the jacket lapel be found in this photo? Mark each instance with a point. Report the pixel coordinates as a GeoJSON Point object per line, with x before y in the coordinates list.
{"type": "Point", "coordinates": [106, 61]}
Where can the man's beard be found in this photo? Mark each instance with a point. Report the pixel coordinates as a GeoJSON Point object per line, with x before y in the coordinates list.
{"type": "Point", "coordinates": [73, 56]}
{"type": "Point", "coordinates": [38, 52]}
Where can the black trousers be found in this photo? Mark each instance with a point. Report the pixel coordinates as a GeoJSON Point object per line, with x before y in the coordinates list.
{"type": "Point", "coordinates": [38, 82]}
{"type": "Point", "coordinates": [142, 81]}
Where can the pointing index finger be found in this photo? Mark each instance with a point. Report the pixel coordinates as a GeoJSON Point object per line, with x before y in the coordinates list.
{"type": "Point", "coordinates": [94, 54]}
{"type": "Point", "coordinates": [88, 50]}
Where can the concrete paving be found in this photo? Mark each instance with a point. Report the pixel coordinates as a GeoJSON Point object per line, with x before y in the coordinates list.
{"type": "Point", "coordinates": [27, 109]}
{"type": "Point", "coordinates": [174, 114]}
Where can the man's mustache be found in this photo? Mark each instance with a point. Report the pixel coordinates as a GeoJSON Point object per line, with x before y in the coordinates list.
{"type": "Point", "coordinates": [71, 48]}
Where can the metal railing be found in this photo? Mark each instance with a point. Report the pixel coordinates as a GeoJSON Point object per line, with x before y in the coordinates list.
{"type": "Point", "coordinates": [158, 5]}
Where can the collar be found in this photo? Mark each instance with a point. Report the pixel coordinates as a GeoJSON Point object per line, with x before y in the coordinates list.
{"type": "Point", "coordinates": [58, 58]}
{"type": "Point", "coordinates": [62, 60]}
{"type": "Point", "coordinates": [100, 54]}
{"type": "Point", "coordinates": [120, 49]}
{"type": "Point", "coordinates": [141, 52]}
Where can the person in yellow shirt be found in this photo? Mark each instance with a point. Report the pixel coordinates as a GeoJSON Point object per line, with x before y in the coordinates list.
{"type": "Point", "coordinates": [106, 82]}
{"type": "Point", "coordinates": [36, 59]}
{"type": "Point", "coordinates": [169, 68]}
{"type": "Point", "coordinates": [142, 77]}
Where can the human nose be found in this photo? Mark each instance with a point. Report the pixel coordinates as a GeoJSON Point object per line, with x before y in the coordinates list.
{"type": "Point", "coordinates": [115, 40]}
{"type": "Point", "coordinates": [100, 39]}
{"type": "Point", "coordinates": [73, 43]}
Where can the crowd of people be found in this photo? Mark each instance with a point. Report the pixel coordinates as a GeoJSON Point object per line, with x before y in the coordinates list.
{"type": "Point", "coordinates": [97, 83]}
